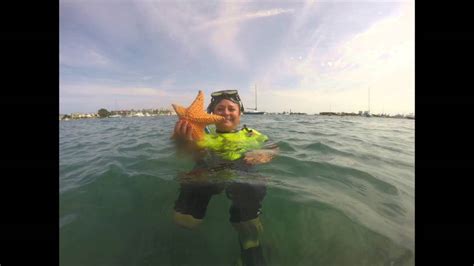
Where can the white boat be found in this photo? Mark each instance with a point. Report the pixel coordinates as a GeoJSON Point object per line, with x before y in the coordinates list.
{"type": "Point", "coordinates": [254, 111]}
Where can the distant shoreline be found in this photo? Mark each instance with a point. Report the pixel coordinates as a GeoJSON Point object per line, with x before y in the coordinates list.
{"type": "Point", "coordinates": [81, 117]}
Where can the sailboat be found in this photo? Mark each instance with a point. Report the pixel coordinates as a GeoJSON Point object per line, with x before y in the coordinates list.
{"type": "Point", "coordinates": [252, 111]}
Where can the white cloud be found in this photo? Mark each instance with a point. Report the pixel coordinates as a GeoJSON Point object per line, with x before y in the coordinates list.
{"type": "Point", "coordinates": [381, 57]}
{"type": "Point", "coordinates": [242, 17]}
{"type": "Point", "coordinates": [172, 20]}
{"type": "Point", "coordinates": [80, 56]}
{"type": "Point", "coordinates": [223, 37]}
{"type": "Point", "coordinates": [100, 90]}
{"type": "Point", "coordinates": [90, 98]}
{"type": "Point", "coordinates": [224, 31]}
{"type": "Point", "coordinates": [308, 71]}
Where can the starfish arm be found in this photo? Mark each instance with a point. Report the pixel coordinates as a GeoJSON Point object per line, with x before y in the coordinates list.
{"type": "Point", "coordinates": [196, 116]}
{"type": "Point", "coordinates": [181, 111]}
{"type": "Point", "coordinates": [208, 119]}
{"type": "Point", "coordinates": [197, 130]}
{"type": "Point", "coordinates": [198, 104]}
{"type": "Point", "coordinates": [198, 134]}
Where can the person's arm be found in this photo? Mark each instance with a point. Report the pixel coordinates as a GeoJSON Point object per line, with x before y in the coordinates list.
{"type": "Point", "coordinates": [262, 155]}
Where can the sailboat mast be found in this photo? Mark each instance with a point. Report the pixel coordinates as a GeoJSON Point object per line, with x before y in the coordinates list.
{"type": "Point", "coordinates": [255, 97]}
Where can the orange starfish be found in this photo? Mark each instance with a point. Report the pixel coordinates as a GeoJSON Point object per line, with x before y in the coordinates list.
{"type": "Point", "coordinates": [196, 117]}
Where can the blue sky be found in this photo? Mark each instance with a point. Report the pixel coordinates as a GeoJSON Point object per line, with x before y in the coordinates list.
{"type": "Point", "coordinates": [307, 56]}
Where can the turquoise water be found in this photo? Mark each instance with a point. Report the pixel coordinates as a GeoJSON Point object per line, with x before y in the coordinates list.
{"type": "Point", "coordinates": [341, 192]}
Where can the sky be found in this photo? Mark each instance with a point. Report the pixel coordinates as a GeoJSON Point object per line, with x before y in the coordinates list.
{"type": "Point", "coordinates": [303, 56]}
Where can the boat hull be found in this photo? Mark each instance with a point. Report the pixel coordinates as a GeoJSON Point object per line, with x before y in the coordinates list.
{"type": "Point", "coordinates": [254, 113]}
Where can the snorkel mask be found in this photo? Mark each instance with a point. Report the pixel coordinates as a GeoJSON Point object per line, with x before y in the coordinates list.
{"type": "Point", "coordinates": [231, 95]}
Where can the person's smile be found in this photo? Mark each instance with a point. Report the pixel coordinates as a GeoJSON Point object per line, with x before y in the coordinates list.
{"type": "Point", "coordinates": [231, 112]}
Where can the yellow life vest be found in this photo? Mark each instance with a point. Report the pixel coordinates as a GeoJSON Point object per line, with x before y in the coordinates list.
{"type": "Point", "coordinates": [232, 146]}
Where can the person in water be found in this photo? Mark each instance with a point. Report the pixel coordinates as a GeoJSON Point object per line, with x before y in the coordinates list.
{"type": "Point", "coordinates": [226, 147]}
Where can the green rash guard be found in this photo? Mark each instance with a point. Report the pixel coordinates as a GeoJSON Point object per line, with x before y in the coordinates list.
{"type": "Point", "coordinates": [232, 146]}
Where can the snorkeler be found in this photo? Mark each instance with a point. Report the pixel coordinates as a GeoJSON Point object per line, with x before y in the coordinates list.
{"type": "Point", "coordinates": [221, 149]}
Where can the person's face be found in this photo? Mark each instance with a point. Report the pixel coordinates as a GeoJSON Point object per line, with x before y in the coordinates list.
{"type": "Point", "coordinates": [231, 112]}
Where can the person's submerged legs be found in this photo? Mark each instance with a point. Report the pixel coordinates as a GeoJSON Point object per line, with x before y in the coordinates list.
{"type": "Point", "coordinates": [191, 205]}
{"type": "Point", "coordinates": [244, 215]}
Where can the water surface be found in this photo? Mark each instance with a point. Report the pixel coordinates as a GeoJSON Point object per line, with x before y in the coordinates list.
{"type": "Point", "coordinates": [341, 192]}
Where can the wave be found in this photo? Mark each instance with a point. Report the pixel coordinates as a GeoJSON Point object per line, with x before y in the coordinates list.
{"type": "Point", "coordinates": [285, 146]}
{"type": "Point", "coordinates": [134, 147]}
{"type": "Point", "coordinates": [287, 166]}
{"type": "Point", "coordinates": [67, 219]}
{"type": "Point", "coordinates": [360, 167]}
{"type": "Point", "coordinates": [323, 148]}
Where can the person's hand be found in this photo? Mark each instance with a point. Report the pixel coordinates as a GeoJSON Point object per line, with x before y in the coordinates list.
{"type": "Point", "coordinates": [182, 131]}
{"type": "Point", "coordinates": [258, 157]}
{"type": "Point", "coordinates": [184, 140]}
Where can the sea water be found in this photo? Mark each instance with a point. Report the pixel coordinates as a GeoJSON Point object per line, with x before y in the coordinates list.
{"type": "Point", "coordinates": [340, 192]}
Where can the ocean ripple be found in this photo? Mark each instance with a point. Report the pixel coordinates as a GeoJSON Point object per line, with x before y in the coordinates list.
{"type": "Point", "coordinates": [358, 167]}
